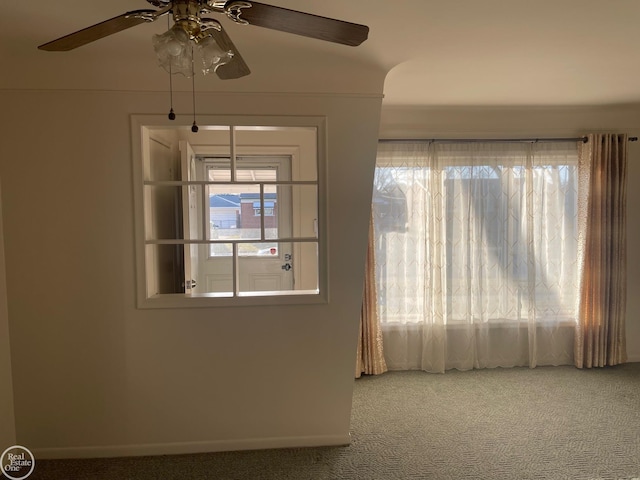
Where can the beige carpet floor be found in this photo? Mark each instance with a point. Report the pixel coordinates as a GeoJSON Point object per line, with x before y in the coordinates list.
{"type": "Point", "coordinates": [508, 424]}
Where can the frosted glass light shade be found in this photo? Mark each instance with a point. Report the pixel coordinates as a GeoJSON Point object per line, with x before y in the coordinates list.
{"type": "Point", "coordinates": [174, 51]}
{"type": "Point", "coordinates": [212, 55]}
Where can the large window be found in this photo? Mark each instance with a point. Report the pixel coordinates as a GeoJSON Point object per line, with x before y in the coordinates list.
{"type": "Point", "coordinates": [230, 215]}
{"type": "Point", "coordinates": [476, 234]}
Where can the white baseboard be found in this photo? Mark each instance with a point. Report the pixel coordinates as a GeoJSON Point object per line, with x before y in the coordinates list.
{"type": "Point", "coordinates": [190, 447]}
{"type": "Point", "coordinates": [633, 358]}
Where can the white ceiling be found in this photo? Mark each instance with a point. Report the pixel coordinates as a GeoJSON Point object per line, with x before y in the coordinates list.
{"type": "Point", "coordinates": [432, 52]}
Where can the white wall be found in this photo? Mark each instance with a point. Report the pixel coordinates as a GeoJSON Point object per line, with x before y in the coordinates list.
{"type": "Point", "coordinates": [95, 376]}
{"type": "Point", "coordinates": [410, 122]}
{"type": "Point", "coordinates": [8, 430]}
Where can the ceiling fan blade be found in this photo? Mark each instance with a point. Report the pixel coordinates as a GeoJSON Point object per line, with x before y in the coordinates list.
{"type": "Point", "coordinates": [299, 23]}
{"type": "Point", "coordinates": [102, 29]}
{"type": "Point", "coordinates": [236, 68]}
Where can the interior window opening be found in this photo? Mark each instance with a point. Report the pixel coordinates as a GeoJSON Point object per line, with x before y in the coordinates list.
{"type": "Point", "coordinates": [237, 217]}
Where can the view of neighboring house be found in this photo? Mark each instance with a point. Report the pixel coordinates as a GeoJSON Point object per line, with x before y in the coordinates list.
{"type": "Point", "coordinates": [242, 210]}
{"type": "Point", "coordinates": [224, 211]}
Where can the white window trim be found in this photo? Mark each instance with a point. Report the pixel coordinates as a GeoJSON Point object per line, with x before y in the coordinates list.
{"type": "Point", "coordinates": [140, 124]}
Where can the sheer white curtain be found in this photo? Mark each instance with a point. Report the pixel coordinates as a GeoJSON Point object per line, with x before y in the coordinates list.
{"type": "Point", "coordinates": [476, 254]}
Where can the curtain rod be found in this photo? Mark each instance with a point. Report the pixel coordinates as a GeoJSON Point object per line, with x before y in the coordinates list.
{"type": "Point", "coordinates": [487, 140]}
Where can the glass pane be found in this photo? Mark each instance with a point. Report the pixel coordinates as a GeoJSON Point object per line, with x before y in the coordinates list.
{"type": "Point", "coordinates": [279, 268]}
{"type": "Point", "coordinates": [165, 211]}
{"type": "Point", "coordinates": [305, 167]}
{"type": "Point", "coordinates": [217, 169]}
{"type": "Point", "coordinates": [220, 250]}
{"type": "Point", "coordinates": [291, 211]}
{"type": "Point", "coordinates": [232, 212]}
{"type": "Point", "coordinates": [215, 275]}
{"type": "Point", "coordinates": [262, 249]}
{"type": "Point", "coordinates": [216, 139]}
{"type": "Point", "coordinates": [305, 211]}
{"type": "Point", "coordinates": [161, 164]}
{"type": "Point", "coordinates": [306, 263]}
{"type": "Point", "coordinates": [165, 269]}
{"type": "Point", "coordinates": [275, 224]}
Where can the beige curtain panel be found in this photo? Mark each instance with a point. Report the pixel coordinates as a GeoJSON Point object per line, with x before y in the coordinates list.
{"type": "Point", "coordinates": [600, 332]}
{"type": "Point", "coordinates": [370, 359]}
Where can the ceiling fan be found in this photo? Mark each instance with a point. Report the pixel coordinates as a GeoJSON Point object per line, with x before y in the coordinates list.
{"type": "Point", "coordinates": [192, 28]}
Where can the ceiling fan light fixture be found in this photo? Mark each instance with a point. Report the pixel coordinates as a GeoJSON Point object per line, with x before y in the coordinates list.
{"type": "Point", "coordinates": [174, 52]}
{"type": "Point", "coordinates": [212, 55]}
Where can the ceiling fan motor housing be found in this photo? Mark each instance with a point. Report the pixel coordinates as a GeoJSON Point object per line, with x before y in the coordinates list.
{"type": "Point", "coordinates": [206, 6]}
{"type": "Point", "coordinates": [186, 13]}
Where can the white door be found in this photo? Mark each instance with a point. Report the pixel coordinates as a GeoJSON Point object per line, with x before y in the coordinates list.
{"type": "Point", "coordinates": [252, 216]}
{"type": "Point", "coordinates": [191, 218]}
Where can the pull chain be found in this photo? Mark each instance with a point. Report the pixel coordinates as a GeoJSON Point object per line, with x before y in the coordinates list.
{"type": "Point", "coordinates": [172, 115]}
{"type": "Point", "coordinates": [194, 127]}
